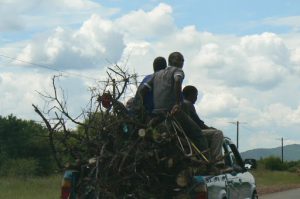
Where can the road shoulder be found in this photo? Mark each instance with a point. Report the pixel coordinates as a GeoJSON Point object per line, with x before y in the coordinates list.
{"type": "Point", "coordinates": [262, 190]}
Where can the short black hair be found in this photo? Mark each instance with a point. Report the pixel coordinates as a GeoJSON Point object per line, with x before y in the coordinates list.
{"type": "Point", "coordinates": [175, 59]}
{"type": "Point", "coordinates": [159, 63]}
{"type": "Point", "coordinates": [189, 90]}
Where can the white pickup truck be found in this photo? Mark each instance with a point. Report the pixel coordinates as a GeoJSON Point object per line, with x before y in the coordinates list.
{"type": "Point", "coordinates": [237, 183]}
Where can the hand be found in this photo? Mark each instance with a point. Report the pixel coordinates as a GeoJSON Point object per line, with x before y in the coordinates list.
{"type": "Point", "coordinates": [175, 109]}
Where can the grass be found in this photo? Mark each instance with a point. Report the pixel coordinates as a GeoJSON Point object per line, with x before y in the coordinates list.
{"type": "Point", "coordinates": [49, 187]}
{"type": "Point", "coordinates": [273, 181]}
{"type": "Point", "coordinates": [31, 188]}
{"type": "Point", "coordinates": [269, 178]}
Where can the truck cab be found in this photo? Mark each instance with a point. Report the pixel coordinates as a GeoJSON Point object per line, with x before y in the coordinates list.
{"type": "Point", "coordinates": [239, 183]}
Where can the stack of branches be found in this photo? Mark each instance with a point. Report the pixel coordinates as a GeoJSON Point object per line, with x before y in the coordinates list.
{"type": "Point", "coordinates": [117, 153]}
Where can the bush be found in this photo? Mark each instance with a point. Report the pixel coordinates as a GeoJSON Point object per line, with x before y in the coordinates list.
{"type": "Point", "coordinates": [24, 143]}
{"type": "Point", "coordinates": [19, 168]}
{"type": "Point", "coordinates": [293, 166]}
{"type": "Point", "coordinates": [274, 163]}
{"type": "Point", "coordinates": [293, 169]}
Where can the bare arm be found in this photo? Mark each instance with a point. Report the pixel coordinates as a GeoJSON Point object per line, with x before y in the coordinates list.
{"type": "Point", "coordinates": [178, 80]}
{"type": "Point", "coordinates": [142, 91]}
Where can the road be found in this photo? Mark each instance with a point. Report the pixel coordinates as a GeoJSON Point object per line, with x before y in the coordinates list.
{"type": "Point", "coordinates": [290, 194]}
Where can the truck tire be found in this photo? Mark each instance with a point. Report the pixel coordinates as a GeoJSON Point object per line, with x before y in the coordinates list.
{"type": "Point", "coordinates": [254, 195]}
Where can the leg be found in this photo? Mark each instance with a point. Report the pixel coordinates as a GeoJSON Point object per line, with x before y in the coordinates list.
{"type": "Point", "coordinates": [215, 143]}
{"type": "Point", "coordinates": [192, 130]}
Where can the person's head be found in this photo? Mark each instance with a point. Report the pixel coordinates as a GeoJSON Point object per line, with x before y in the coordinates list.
{"type": "Point", "coordinates": [159, 63]}
{"type": "Point", "coordinates": [176, 59]}
{"type": "Point", "coordinates": [130, 103]}
{"type": "Point", "coordinates": [190, 93]}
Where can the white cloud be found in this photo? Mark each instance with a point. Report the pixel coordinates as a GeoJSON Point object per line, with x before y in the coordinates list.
{"type": "Point", "coordinates": [78, 4]}
{"type": "Point", "coordinates": [248, 78]}
{"type": "Point", "coordinates": [220, 103]}
{"type": "Point", "coordinates": [37, 14]}
{"type": "Point", "coordinates": [91, 46]}
{"type": "Point", "coordinates": [155, 23]}
{"type": "Point", "coordinates": [259, 61]}
{"type": "Point", "coordinates": [290, 21]}
{"type": "Point", "coordinates": [263, 73]}
{"type": "Point", "coordinates": [282, 115]}
{"type": "Point", "coordinates": [21, 90]}
{"type": "Point", "coordinates": [295, 59]}
{"type": "Point", "coordinates": [268, 45]}
{"type": "Point", "coordinates": [19, 95]}
{"type": "Point", "coordinates": [261, 139]}
{"type": "Point", "coordinates": [47, 5]}
{"type": "Point", "coordinates": [210, 56]}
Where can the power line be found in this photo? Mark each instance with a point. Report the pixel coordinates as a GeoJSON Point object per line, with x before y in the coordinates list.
{"type": "Point", "coordinates": [54, 68]}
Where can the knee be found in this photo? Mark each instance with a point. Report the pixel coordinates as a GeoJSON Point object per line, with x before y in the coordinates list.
{"type": "Point", "coordinates": [219, 134]}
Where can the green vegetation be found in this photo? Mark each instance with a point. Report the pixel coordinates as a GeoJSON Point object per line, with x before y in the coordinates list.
{"type": "Point", "coordinates": [271, 171]}
{"type": "Point", "coordinates": [267, 178]}
{"type": "Point", "coordinates": [49, 187]}
{"type": "Point", "coordinates": [272, 175]}
{"type": "Point", "coordinates": [25, 156]}
{"type": "Point", "coordinates": [24, 148]}
{"type": "Point", "coordinates": [26, 161]}
{"type": "Point", "coordinates": [36, 187]}
{"type": "Point", "coordinates": [275, 164]}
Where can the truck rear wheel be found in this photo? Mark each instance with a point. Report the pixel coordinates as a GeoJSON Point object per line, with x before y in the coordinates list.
{"type": "Point", "coordinates": [254, 195]}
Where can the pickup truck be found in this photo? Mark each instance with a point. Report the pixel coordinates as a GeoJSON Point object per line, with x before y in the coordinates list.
{"type": "Point", "coordinates": [237, 183]}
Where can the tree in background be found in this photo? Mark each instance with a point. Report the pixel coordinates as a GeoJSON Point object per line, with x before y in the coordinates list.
{"type": "Point", "coordinates": [274, 164]}
{"type": "Point", "coordinates": [24, 148]}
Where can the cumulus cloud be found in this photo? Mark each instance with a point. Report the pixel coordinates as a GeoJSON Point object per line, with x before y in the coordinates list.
{"type": "Point", "coordinates": [210, 56]}
{"type": "Point", "coordinates": [92, 45]}
{"type": "Point", "coordinates": [259, 61]}
{"type": "Point", "coordinates": [37, 14]}
{"type": "Point", "coordinates": [248, 78]}
{"type": "Point", "coordinates": [17, 96]}
{"type": "Point", "coordinates": [155, 23]}
{"type": "Point", "coordinates": [99, 39]}
{"type": "Point", "coordinates": [220, 104]}
{"type": "Point", "coordinates": [295, 59]}
{"type": "Point", "coordinates": [21, 90]}
{"type": "Point", "coordinates": [268, 45]}
{"type": "Point", "coordinates": [282, 115]}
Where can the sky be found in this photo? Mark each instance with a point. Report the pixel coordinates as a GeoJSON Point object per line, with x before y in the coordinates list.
{"type": "Point", "coordinates": [243, 57]}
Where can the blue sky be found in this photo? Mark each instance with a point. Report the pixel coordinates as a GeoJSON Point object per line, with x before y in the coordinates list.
{"type": "Point", "coordinates": [243, 56]}
{"type": "Point", "coordinates": [221, 16]}
{"type": "Point", "coordinates": [217, 16]}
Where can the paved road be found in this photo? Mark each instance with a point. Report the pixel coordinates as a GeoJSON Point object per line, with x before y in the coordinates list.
{"type": "Point", "coordinates": [290, 194]}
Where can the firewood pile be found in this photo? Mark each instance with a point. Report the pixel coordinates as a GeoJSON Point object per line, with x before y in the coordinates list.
{"type": "Point", "coordinates": [138, 162]}
{"type": "Point", "coordinates": [117, 153]}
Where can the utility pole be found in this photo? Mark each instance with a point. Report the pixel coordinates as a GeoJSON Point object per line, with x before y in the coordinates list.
{"type": "Point", "coordinates": [281, 139]}
{"type": "Point", "coordinates": [114, 95]}
{"type": "Point", "coordinates": [237, 123]}
{"type": "Point", "coordinates": [114, 89]}
{"type": "Point", "coordinates": [237, 134]}
{"type": "Point", "coordinates": [282, 150]}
